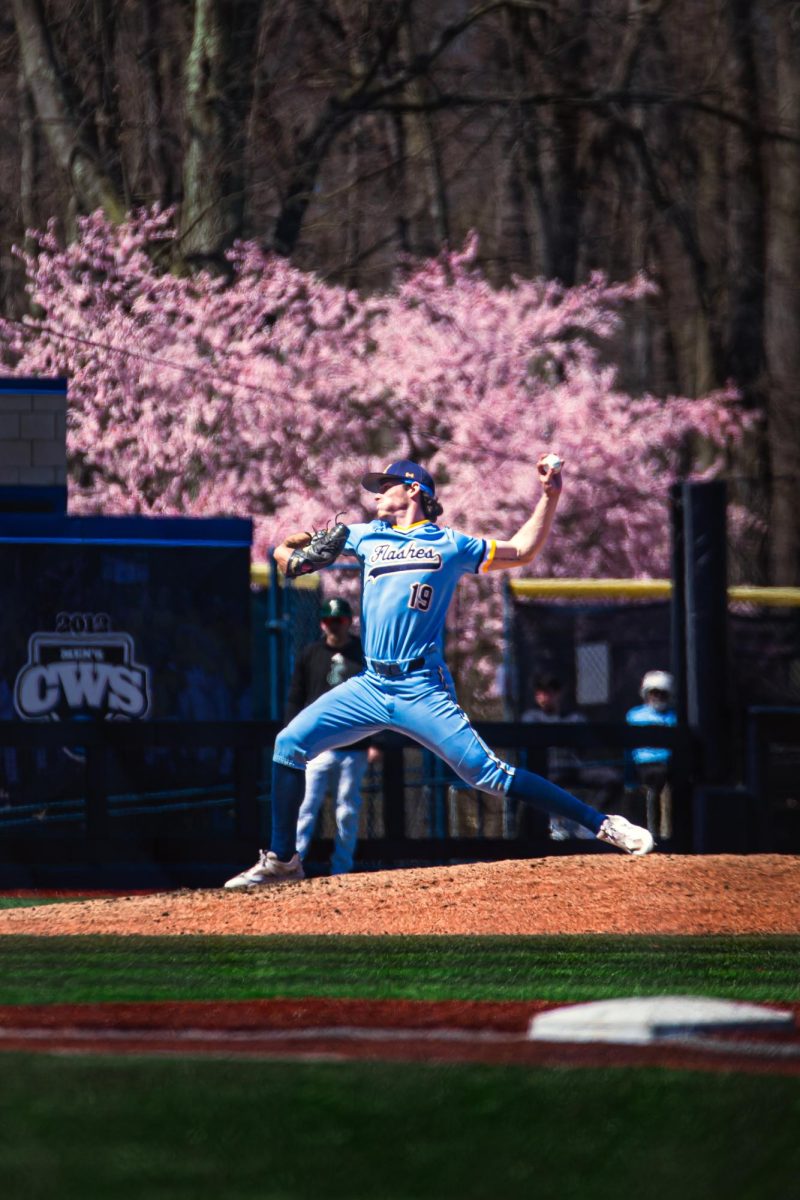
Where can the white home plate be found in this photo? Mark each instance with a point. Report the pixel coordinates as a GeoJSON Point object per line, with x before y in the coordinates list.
{"type": "Point", "coordinates": [643, 1019]}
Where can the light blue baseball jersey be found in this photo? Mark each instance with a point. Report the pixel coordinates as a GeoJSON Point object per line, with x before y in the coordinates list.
{"type": "Point", "coordinates": [409, 575]}
{"type": "Point", "coordinates": [645, 714]}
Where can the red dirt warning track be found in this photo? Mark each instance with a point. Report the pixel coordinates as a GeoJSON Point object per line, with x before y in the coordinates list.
{"type": "Point", "coordinates": [342, 1030]}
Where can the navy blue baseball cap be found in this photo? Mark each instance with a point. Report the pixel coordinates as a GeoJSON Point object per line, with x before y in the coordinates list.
{"type": "Point", "coordinates": [403, 471]}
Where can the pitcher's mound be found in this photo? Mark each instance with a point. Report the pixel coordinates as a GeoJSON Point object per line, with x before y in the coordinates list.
{"type": "Point", "coordinates": [599, 893]}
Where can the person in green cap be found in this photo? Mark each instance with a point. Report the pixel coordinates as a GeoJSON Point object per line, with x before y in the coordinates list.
{"type": "Point", "coordinates": [335, 657]}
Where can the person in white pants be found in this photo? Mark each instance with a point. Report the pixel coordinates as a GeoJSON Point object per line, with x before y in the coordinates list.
{"type": "Point", "coordinates": [340, 773]}
{"type": "Point", "coordinates": [323, 665]}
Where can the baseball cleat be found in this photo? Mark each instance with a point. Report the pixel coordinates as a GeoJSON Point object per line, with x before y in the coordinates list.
{"type": "Point", "coordinates": [621, 833]}
{"type": "Point", "coordinates": [269, 869]}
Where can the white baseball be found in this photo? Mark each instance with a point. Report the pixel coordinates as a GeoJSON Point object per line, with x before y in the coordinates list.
{"type": "Point", "coordinates": [552, 461]}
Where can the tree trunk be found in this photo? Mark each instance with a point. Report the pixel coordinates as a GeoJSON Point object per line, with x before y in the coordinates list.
{"type": "Point", "coordinates": [742, 334]}
{"type": "Point", "coordinates": [155, 173]}
{"type": "Point", "coordinates": [783, 272]}
{"type": "Point", "coordinates": [743, 342]}
{"type": "Point", "coordinates": [218, 82]}
{"type": "Point", "coordinates": [107, 119]}
{"type": "Point", "coordinates": [91, 186]}
{"type": "Point", "coordinates": [428, 217]}
{"type": "Point", "coordinates": [553, 141]}
{"type": "Point", "coordinates": [28, 156]}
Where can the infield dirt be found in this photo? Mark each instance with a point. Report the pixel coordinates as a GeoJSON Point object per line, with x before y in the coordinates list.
{"type": "Point", "coordinates": [599, 893]}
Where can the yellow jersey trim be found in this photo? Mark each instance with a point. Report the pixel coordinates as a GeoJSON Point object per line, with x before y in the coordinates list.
{"type": "Point", "coordinates": [405, 528]}
{"type": "Point", "coordinates": [490, 553]}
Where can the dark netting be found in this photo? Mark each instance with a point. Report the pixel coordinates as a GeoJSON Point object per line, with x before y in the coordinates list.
{"type": "Point", "coordinates": [765, 656]}
{"type": "Point", "coordinates": [756, 510]}
{"type": "Point", "coordinates": [600, 653]}
{"type": "Point", "coordinates": [748, 522]}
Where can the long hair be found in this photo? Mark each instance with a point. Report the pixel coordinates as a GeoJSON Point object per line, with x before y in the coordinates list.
{"type": "Point", "coordinates": [430, 506]}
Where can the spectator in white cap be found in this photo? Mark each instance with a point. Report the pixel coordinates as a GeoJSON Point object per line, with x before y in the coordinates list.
{"type": "Point", "coordinates": [651, 763]}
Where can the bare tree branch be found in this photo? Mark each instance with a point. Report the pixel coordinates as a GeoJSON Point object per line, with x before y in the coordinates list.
{"type": "Point", "coordinates": [91, 185]}
{"type": "Point", "coordinates": [599, 101]}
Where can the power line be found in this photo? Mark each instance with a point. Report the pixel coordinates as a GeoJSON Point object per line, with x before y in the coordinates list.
{"type": "Point", "coordinates": [208, 374]}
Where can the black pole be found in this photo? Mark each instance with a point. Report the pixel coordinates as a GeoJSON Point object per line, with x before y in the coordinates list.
{"type": "Point", "coordinates": [677, 616]}
{"type": "Point", "coordinates": [681, 769]}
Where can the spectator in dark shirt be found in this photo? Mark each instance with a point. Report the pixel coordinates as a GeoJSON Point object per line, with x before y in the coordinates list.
{"type": "Point", "coordinates": [321, 666]}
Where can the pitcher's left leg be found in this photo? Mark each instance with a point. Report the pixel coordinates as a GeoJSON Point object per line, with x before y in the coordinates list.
{"type": "Point", "coordinates": [350, 711]}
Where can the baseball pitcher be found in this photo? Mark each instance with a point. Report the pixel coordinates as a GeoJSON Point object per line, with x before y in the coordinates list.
{"type": "Point", "coordinates": [410, 567]}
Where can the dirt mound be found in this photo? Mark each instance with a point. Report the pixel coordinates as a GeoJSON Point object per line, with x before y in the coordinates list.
{"type": "Point", "coordinates": [669, 894]}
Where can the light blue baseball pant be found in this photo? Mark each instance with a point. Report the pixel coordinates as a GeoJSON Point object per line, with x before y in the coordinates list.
{"type": "Point", "coordinates": [421, 704]}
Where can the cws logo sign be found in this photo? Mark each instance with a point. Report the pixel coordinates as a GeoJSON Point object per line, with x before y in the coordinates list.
{"type": "Point", "coordinates": [82, 674]}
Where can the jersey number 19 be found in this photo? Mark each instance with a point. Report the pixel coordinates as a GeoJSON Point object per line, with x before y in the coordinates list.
{"type": "Point", "coordinates": [421, 596]}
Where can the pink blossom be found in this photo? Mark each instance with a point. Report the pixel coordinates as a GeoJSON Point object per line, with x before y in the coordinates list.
{"type": "Point", "coordinates": [270, 394]}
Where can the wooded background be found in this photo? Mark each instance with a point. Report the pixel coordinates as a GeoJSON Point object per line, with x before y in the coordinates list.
{"type": "Point", "coordinates": [623, 135]}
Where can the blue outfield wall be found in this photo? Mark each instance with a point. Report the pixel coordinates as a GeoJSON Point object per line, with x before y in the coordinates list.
{"type": "Point", "coordinates": [122, 618]}
{"type": "Point", "coordinates": [31, 385]}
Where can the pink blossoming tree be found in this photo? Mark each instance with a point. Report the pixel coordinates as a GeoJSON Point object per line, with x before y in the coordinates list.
{"type": "Point", "coordinates": [269, 392]}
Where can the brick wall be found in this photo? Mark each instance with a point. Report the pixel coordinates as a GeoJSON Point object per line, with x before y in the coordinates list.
{"type": "Point", "coordinates": [33, 433]}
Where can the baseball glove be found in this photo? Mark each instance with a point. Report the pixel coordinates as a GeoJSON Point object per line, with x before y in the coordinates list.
{"type": "Point", "coordinates": [323, 547]}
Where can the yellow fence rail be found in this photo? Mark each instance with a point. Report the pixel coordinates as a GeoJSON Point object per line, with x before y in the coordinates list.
{"type": "Point", "coordinates": [643, 589]}
{"type": "Point", "coordinates": [598, 589]}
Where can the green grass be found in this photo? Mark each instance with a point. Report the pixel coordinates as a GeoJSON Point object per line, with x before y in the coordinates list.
{"type": "Point", "coordinates": [130, 1128]}
{"type": "Point", "coordinates": [194, 1128]}
{"type": "Point", "coordinates": [35, 901]}
{"type": "Point", "coordinates": [85, 969]}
